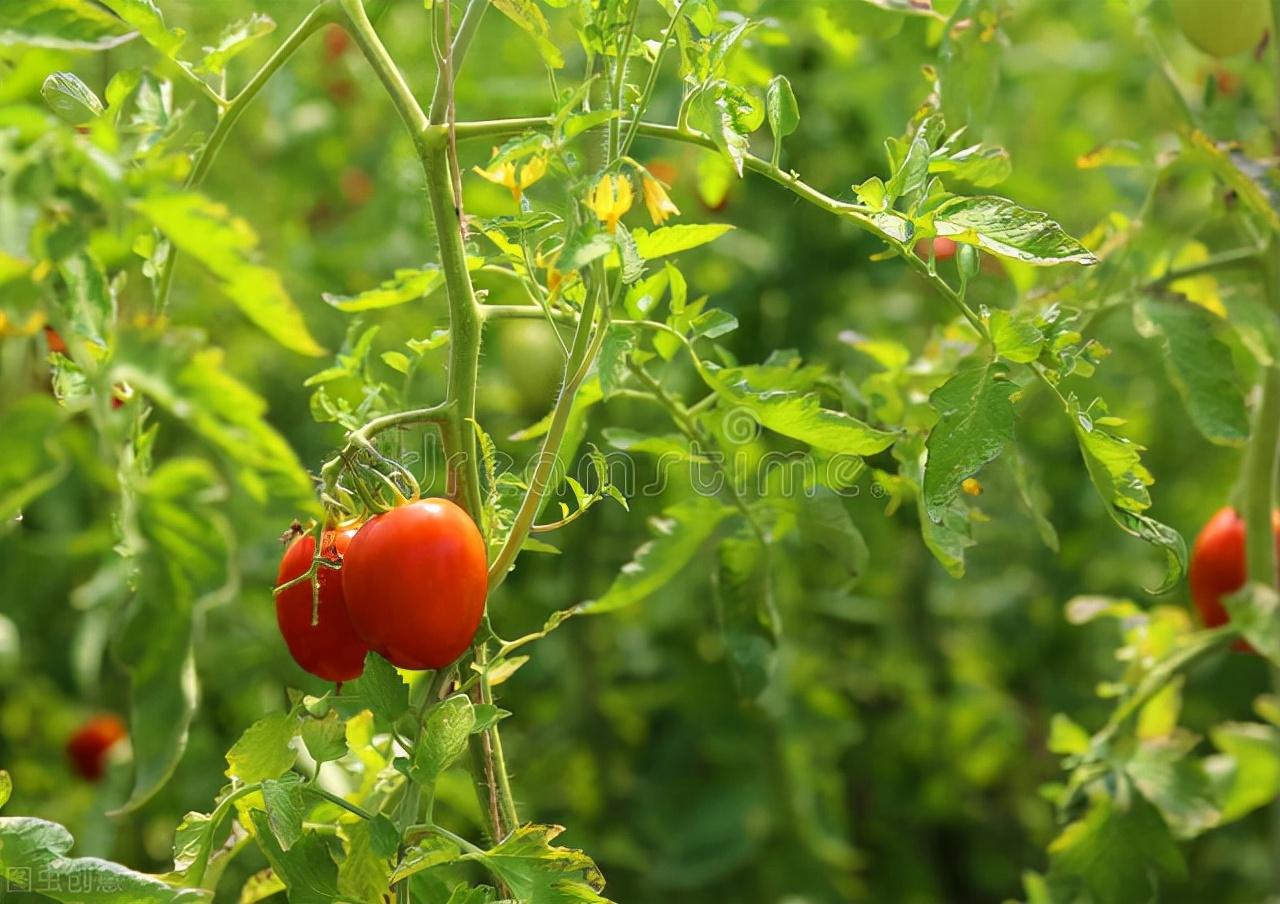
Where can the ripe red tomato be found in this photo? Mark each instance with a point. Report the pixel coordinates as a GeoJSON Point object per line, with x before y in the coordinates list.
{"type": "Point", "coordinates": [330, 648]}
{"type": "Point", "coordinates": [416, 579]}
{"type": "Point", "coordinates": [88, 745]}
{"type": "Point", "coordinates": [943, 248]}
{"type": "Point", "coordinates": [1218, 565]}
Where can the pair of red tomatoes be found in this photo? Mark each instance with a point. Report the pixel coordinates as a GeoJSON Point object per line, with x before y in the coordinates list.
{"type": "Point", "coordinates": [411, 587]}
{"type": "Point", "coordinates": [1218, 566]}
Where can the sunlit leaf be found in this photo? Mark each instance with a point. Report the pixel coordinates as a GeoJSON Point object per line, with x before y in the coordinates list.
{"type": "Point", "coordinates": [60, 25]}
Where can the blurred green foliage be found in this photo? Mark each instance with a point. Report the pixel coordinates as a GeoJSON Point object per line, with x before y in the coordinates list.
{"type": "Point", "coordinates": [900, 751]}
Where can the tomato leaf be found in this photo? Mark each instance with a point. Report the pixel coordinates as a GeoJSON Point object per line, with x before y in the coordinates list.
{"type": "Point", "coordinates": [1199, 366]}
{"type": "Point", "coordinates": [225, 244]}
{"type": "Point", "coordinates": [405, 286]}
{"type": "Point", "coordinates": [529, 17]}
{"type": "Point", "coordinates": [381, 689]}
{"type": "Point", "coordinates": [263, 751]}
{"type": "Point", "coordinates": [976, 422]}
{"type": "Point", "coordinates": [70, 98]}
{"type": "Point", "coordinates": [1117, 473]}
{"type": "Point", "coordinates": [1116, 851]}
{"type": "Point", "coordinates": [742, 589]}
{"type": "Point", "coordinates": [998, 225]}
{"type": "Point", "coordinates": [60, 25]}
{"type": "Point", "coordinates": [307, 868]}
{"type": "Point", "coordinates": [535, 871]}
{"type": "Point", "coordinates": [680, 534]}
{"type": "Point", "coordinates": [444, 738]}
{"type": "Point", "coordinates": [234, 39]}
{"type": "Point", "coordinates": [146, 17]}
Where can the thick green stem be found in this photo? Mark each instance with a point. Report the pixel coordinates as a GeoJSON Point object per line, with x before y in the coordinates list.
{"type": "Point", "coordinates": [581, 354]}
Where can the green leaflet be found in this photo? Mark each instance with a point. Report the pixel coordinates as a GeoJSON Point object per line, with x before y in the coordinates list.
{"type": "Point", "coordinates": [1116, 470]}
{"type": "Point", "coordinates": [263, 751]}
{"type": "Point", "coordinates": [529, 17]}
{"type": "Point", "coordinates": [307, 868]}
{"type": "Point", "coordinates": [540, 873]}
{"type": "Point", "coordinates": [1002, 227]}
{"type": "Point", "coordinates": [1115, 852]}
{"type": "Point", "coordinates": [60, 25]}
{"type": "Point", "coordinates": [976, 421]}
{"type": "Point", "coordinates": [680, 534]}
{"type": "Point", "coordinates": [225, 245]}
{"type": "Point", "coordinates": [405, 286]}
{"type": "Point", "coordinates": [1199, 365]}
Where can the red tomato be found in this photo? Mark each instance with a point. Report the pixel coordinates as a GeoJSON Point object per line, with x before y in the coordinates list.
{"type": "Point", "coordinates": [329, 649]}
{"type": "Point", "coordinates": [55, 341]}
{"type": "Point", "coordinates": [416, 579]}
{"type": "Point", "coordinates": [88, 745]}
{"type": "Point", "coordinates": [336, 42]}
{"type": "Point", "coordinates": [1218, 565]}
{"type": "Point", "coordinates": [357, 186]}
{"type": "Point", "coordinates": [943, 248]}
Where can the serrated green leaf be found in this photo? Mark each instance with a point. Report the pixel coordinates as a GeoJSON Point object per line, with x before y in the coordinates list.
{"type": "Point", "coordinates": [444, 738]}
{"type": "Point", "coordinates": [678, 537]}
{"type": "Point", "coordinates": [263, 751]}
{"type": "Point", "coordinates": [381, 689]}
{"type": "Point", "coordinates": [1247, 773]}
{"type": "Point", "coordinates": [981, 165]}
{"type": "Point", "coordinates": [285, 808]}
{"type": "Point", "coordinates": [60, 25]}
{"type": "Point", "coordinates": [1015, 335]}
{"type": "Point", "coordinates": [1199, 365]}
{"type": "Point", "coordinates": [798, 416]}
{"type": "Point", "coordinates": [668, 240]}
{"type": "Point", "coordinates": [529, 17]}
{"type": "Point", "coordinates": [1176, 784]}
{"type": "Point", "coordinates": [363, 873]}
{"type": "Point", "coordinates": [539, 873]}
{"type": "Point", "coordinates": [405, 286]}
{"type": "Point", "coordinates": [325, 739]}
{"type": "Point", "coordinates": [1117, 473]}
{"type": "Point", "coordinates": [1066, 738]}
{"type": "Point", "coordinates": [1116, 852]}
{"type": "Point", "coordinates": [976, 421]}
{"type": "Point", "coordinates": [234, 39]}
{"type": "Point", "coordinates": [307, 868]}
{"type": "Point", "coordinates": [998, 225]}
{"type": "Point", "coordinates": [615, 352]}
{"type": "Point", "coordinates": [431, 851]}
{"type": "Point", "coordinates": [946, 539]}
{"type": "Point", "coordinates": [146, 17]}
{"type": "Point", "coordinates": [225, 244]}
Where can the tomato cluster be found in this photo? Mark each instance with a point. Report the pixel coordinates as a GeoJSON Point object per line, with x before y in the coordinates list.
{"type": "Point", "coordinates": [1218, 565]}
{"type": "Point", "coordinates": [88, 746]}
{"type": "Point", "coordinates": [411, 586]}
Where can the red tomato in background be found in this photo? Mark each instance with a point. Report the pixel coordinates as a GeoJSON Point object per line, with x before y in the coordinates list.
{"type": "Point", "coordinates": [357, 186]}
{"type": "Point", "coordinates": [330, 648]}
{"type": "Point", "coordinates": [943, 248]}
{"type": "Point", "coordinates": [336, 42]}
{"type": "Point", "coordinates": [1218, 566]}
{"type": "Point", "coordinates": [54, 340]}
{"type": "Point", "coordinates": [88, 745]}
{"type": "Point", "coordinates": [416, 579]}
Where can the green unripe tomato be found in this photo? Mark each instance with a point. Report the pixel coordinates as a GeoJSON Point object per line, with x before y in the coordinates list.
{"type": "Point", "coordinates": [1222, 28]}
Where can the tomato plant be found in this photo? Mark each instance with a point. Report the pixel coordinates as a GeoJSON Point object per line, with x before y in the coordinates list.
{"type": "Point", "coordinates": [809, 551]}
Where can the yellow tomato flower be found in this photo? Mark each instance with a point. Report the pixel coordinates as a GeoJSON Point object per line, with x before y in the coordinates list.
{"type": "Point", "coordinates": [611, 199]}
{"type": "Point", "coordinates": [657, 201]}
{"type": "Point", "coordinates": [554, 277]}
{"type": "Point", "coordinates": [517, 180]}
